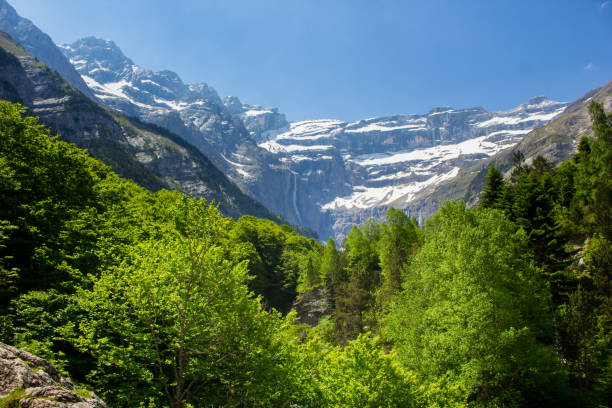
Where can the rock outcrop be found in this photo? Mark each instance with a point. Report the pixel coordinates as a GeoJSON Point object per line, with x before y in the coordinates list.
{"type": "Point", "coordinates": [312, 305]}
{"type": "Point", "coordinates": [31, 382]}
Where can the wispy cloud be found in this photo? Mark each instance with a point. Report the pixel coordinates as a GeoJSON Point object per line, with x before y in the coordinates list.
{"type": "Point", "coordinates": [589, 66]}
{"type": "Point", "coordinates": [605, 4]}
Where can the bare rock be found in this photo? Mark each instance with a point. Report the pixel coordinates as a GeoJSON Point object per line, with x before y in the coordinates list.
{"type": "Point", "coordinates": [312, 305]}
{"type": "Point", "coordinates": [44, 385]}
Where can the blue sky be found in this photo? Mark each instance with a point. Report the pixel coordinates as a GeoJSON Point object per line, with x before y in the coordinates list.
{"type": "Point", "coordinates": [353, 59]}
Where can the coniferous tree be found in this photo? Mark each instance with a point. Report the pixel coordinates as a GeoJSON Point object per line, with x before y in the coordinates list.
{"type": "Point", "coordinates": [492, 193]}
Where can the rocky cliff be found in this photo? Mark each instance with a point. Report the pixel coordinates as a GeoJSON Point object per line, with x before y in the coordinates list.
{"type": "Point", "coordinates": [194, 112]}
{"type": "Point", "coordinates": [31, 382]}
{"type": "Point", "coordinates": [325, 174]}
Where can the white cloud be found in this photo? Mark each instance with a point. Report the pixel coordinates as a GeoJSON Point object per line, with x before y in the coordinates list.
{"type": "Point", "coordinates": [589, 66]}
{"type": "Point", "coordinates": [605, 4]}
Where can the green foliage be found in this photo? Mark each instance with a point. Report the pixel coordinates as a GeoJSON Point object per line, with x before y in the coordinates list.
{"type": "Point", "coordinates": [493, 191]}
{"type": "Point", "coordinates": [148, 298]}
{"type": "Point", "coordinates": [276, 256]}
{"type": "Point", "coordinates": [12, 400]}
{"type": "Point", "coordinates": [49, 199]}
{"type": "Point", "coordinates": [399, 240]}
{"type": "Point", "coordinates": [309, 264]}
{"type": "Point", "coordinates": [358, 375]}
{"type": "Point", "coordinates": [177, 316]}
{"type": "Point", "coordinates": [472, 310]}
{"type": "Point", "coordinates": [330, 265]}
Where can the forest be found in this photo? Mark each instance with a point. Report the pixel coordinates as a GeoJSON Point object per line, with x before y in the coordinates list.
{"type": "Point", "coordinates": [157, 300]}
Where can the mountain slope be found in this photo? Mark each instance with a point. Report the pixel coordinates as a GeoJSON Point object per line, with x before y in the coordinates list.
{"type": "Point", "coordinates": [194, 112]}
{"type": "Point", "coordinates": [40, 45]}
{"type": "Point", "coordinates": [151, 156]}
{"type": "Point", "coordinates": [557, 141]}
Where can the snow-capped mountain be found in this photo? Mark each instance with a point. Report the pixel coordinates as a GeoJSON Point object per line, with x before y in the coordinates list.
{"type": "Point", "coordinates": [325, 174]}
{"type": "Point", "coordinates": [400, 155]}
{"type": "Point", "coordinates": [387, 161]}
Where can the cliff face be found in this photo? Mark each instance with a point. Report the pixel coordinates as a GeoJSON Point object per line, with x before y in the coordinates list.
{"type": "Point", "coordinates": [31, 382]}
{"type": "Point", "coordinates": [312, 305]}
{"type": "Point", "coordinates": [151, 156]}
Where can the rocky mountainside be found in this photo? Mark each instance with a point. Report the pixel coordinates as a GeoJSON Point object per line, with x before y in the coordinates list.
{"type": "Point", "coordinates": [325, 174]}
{"type": "Point", "coordinates": [31, 382]}
{"type": "Point", "coordinates": [387, 161]}
{"type": "Point", "coordinates": [556, 141]}
{"type": "Point", "coordinates": [194, 112]}
{"type": "Point", "coordinates": [150, 155]}
{"type": "Point", "coordinates": [39, 44]}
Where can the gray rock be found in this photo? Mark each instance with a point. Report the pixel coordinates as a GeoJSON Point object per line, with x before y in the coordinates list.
{"type": "Point", "coordinates": [152, 157]}
{"type": "Point", "coordinates": [44, 385]}
{"type": "Point", "coordinates": [312, 305]}
{"type": "Point", "coordinates": [324, 174]}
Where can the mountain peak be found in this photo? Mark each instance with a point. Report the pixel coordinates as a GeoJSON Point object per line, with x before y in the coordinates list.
{"type": "Point", "coordinates": [102, 52]}
{"type": "Point", "coordinates": [438, 109]}
{"type": "Point", "coordinates": [536, 100]}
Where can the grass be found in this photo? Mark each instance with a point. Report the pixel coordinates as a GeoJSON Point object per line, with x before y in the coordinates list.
{"type": "Point", "coordinates": [12, 400]}
{"type": "Point", "coordinates": [82, 392]}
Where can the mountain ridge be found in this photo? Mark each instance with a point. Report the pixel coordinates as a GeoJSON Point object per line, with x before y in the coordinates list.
{"type": "Point", "coordinates": [313, 172]}
{"type": "Point", "coordinates": [556, 141]}
{"type": "Point", "coordinates": [151, 156]}
{"type": "Point", "coordinates": [40, 44]}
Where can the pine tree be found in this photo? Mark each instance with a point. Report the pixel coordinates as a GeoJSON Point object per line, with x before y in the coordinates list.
{"type": "Point", "coordinates": [492, 192]}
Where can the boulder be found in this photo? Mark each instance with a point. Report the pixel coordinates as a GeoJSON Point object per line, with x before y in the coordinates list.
{"type": "Point", "coordinates": [43, 385]}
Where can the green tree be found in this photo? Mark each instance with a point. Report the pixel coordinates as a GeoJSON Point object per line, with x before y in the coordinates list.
{"type": "Point", "coordinates": [176, 319]}
{"type": "Point", "coordinates": [330, 266]}
{"type": "Point", "coordinates": [472, 310]}
{"type": "Point", "coordinates": [310, 269]}
{"type": "Point", "coordinates": [492, 193]}
{"type": "Point", "coordinates": [399, 239]}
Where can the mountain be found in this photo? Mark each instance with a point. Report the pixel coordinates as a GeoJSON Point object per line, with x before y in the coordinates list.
{"type": "Point", "coordinates": [40, 45]}
{"type": "Point", "coordinates": [150, 155]}
{"type": "Point", "coordinates": [325, 174]}
{"type": "Point", "coordinates": [194, 112]}
{"type": "Point", "coordinates": [556, 141]}
{"type": "Point", "coordinates": [372, 164]}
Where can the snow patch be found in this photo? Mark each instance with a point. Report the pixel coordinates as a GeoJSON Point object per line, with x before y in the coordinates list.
{"type": "Point", "coordinates": [366, 197]}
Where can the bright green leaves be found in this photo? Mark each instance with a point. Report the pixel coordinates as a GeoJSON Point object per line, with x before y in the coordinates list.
{"type": "Point", "coordinates": [472, 306]}
{"type": "Point", "coordinates": [177, 315]}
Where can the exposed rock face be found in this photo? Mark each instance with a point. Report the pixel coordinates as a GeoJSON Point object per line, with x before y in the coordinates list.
{"type": "Point", "coordinates": [40, 45]}
{"type": "Point", "coordinates": [258, 120]}
{"type": "Point", "coordinates": [194, 112]}
{"type": "Point", "coordinates": [44, 385]}
{"type": "Point", "coordinates": [153, 157]}
{"type": "Point", "coordinates": [325, 174]}
{"type": "Point", "coordinates": [354, 171]}
{"type": "Point", "coordinates": [312, 305]}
